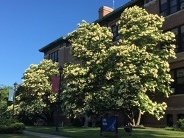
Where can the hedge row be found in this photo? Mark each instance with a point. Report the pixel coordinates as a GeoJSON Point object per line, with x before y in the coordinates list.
{"type": "Point", "coordinates": [11, 126]}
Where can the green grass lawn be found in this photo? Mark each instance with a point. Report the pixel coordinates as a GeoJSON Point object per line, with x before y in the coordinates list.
{"type": "Point", "coordinates": [16, 136]}
{"type": "Point", "coordinates": [95, 132]}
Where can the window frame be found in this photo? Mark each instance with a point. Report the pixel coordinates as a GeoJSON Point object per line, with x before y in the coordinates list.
{"type": "Point", "coordinates": [166, 7]}
{"type": "Point", "coordinates": [179, 41]}
{"type": "Point", "coordinates": [54, 56]}
{"type": "Point", "coordinates": [114, 29]}
{"type": "Point", "coordinates": [176, 86]}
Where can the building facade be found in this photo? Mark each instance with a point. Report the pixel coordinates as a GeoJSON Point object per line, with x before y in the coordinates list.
{"type": "Point", "coordinates": [173, 11]}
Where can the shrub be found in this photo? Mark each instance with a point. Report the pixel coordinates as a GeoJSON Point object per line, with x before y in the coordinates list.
{"type": "Point", "coordinates": [11, 126]}
{"type": "Point", "coordinates": [181, 124]}
{"type": "Point", "coordinates": [171, 128]}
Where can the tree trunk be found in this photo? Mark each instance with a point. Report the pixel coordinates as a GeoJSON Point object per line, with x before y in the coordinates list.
{"type": "Point", "coordinates": [133, 122]}
{"type": "Point", "coordinates": [131, 118]}
{"type": "Point", "coordinates": [138, 119]}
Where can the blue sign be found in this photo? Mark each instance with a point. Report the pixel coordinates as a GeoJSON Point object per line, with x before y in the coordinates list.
{"type": "Point", "coordinates": [109, 124]}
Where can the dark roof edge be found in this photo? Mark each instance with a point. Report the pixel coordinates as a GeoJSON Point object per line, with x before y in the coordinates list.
{"type": "Point", "coordinates": [62, 38]}
{"type": "Point", "coordinates": [115, 11]}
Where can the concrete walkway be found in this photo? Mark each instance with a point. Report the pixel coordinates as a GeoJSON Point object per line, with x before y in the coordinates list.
{"type": "Point", "coordinates": [42, 135]}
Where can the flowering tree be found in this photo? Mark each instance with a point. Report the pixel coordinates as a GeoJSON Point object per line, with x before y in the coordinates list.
{"type": "Point", "coordinates": [34, 96]}
{"type": "Point", "coordinates": [124, 75]}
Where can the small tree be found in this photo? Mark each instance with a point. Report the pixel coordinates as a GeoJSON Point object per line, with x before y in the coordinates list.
{"type": "Point", "coordinates": [4, 101]}
{"type": "Point", "coordinates": [34, 96]}
{"type": "Point", "coordinates": [124, 75]}
{"type": "Point", "coordinates": [143, 32]}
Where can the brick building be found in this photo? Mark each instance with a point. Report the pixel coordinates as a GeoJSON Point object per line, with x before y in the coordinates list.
{"type": "Point", "coordinates": [172, 10]}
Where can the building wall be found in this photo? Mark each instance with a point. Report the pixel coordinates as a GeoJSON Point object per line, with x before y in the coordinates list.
{"type": "Point", "coordinates": [174, 20]}
{"type": "Point", "coordinates": [177, 64]}
{"type": "Point", "coordinates": [175, 103]}
{"type": "Point", "coordinates": [175, 107]}
{"type": "Point", "coordinates": [152, 7]}
{"type": "Point", "coordinates": [64, 53]}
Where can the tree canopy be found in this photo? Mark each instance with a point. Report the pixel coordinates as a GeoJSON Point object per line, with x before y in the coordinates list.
{"type": "Point", "coordinates": [34, 96]}
{"type": "Point", "coordinates": [120, 75]}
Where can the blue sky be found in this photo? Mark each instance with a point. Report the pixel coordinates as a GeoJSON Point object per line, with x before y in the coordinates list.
{"type": "Point", "coordinates": [28, 25]}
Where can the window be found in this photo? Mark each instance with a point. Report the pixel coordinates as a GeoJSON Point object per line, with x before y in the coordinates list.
{"type": "Point", "coordinates": [169, 118]}
{"type": "Point", "coordinates": [163, 7]}
{"type": "Point", "coordinates": [115, 32]}
{"type": "Point", "coordinates": [173, 6]}
{"type": "Point", "coordinates": [182, 38]}
{"type": "Point", "coordinates": [178, 85]}
{"type": "Point", "coordinates": [54, 56]}
{"type": "Point", "coordinates": [170, 6]}
{"type": "Point", "coordinates": [179, 35]}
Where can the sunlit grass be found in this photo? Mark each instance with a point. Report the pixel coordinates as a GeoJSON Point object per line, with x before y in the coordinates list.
{"type": "Point", "coordinates": [95, 132]}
